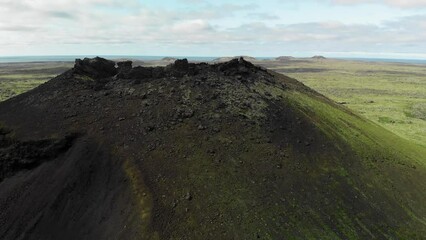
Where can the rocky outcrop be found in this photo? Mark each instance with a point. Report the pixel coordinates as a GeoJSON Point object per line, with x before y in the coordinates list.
{"type": "Point", "coordinates": [124, 66]}
{"type": "Point", "coordinates": [95, 67]}
{"type": "Point", "coordinates": [238, 67]}
{"type": "Point", "coordinates": [99, 68]}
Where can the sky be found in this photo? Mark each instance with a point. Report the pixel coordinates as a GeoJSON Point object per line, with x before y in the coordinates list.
{"type": "Point", "coordinates": [267, 28]}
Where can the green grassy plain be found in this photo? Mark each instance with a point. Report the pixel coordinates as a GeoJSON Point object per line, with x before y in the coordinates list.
{"type": "Point", "coordinates": [17, 78]}
{"type": "Point", "coordinates": [391, 94]}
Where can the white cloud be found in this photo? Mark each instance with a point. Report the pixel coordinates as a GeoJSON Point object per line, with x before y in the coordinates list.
{"type": "Point", "coordinates": [191, 26]}
{"type": "Point", "coordinates": [113, 25]}
{"type": "Point", "coordinates": [394, 3]}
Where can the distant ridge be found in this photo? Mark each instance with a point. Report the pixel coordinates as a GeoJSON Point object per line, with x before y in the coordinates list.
{"type": "Point", "coordinates": [169, 59]}
{"type": "Point", "coordinates": [319, 57]}
{"type": "Point", "coordinates": [26, 59]}
{"type": "Point", "coordinates": [284, 58]}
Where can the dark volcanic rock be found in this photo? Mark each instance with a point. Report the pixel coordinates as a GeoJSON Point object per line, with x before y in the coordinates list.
{"type": "Point", "coordinates": [95, 67]}
{"type": "Point", "coordinates": [158, 72]}
{"type": "Point", "coordinates": [181, 65]}
{"type": "Point", "coordinates": [237, 67]}
{"type": "Point", "coordinates": [140, 73]}
{"type": "Point", "coordinates": [181, 68]}
{"type": "Point", "coordinates": [125, 66]}
{"type": "Point", "coordinates": [17, 156]}
{"type": "Point", "coordinates": [102, 68]}
{"type": "Point", "coordinates": [124, 69]}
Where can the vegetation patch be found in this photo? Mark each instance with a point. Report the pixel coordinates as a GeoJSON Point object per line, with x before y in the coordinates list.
{"type": "Point", "coordinates": [386, 120]}
{"type": "Point", "coordinates": [390, 94]}
{"type": "Point", "coordinates": [418, 111]}
{"type": "Point", "coordinates": [17, 78]}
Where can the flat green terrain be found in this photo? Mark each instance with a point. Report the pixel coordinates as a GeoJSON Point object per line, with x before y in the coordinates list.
{"type": "Point", "coordinates": [391, 94]}
{"type": "Point", "coordinates": [17, 78]}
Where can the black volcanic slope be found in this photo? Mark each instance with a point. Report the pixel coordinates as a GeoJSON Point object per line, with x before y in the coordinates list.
{"type": "Point", "coordinates": [198, 151]}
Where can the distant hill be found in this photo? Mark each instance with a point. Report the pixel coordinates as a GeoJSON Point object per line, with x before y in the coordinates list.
{"type": "Point", "coordinates": [319, 57]}
{"type": "Point", "coordinates": [169, 59]}
{"type": "Point", "coordinates": [284, 58]}
{"type": "Point", "coordinates": [200, 151]}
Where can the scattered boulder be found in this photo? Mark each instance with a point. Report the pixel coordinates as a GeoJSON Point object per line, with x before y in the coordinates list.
{"type": "Point", "coordinates": [188, 196]}
{"type": "Point", "coordinates": [150, 128]}
{"type": "Point", "coordinates": [184, 112]}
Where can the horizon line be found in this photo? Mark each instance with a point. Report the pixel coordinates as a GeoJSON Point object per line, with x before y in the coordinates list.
{"type": "Point", "coordinates": [222, 56]}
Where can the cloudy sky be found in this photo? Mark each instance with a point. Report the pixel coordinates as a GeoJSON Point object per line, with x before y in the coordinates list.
{"type": "Point", "coordinates": [334, 28]}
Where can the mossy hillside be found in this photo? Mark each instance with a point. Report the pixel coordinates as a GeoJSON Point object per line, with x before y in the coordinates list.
{"type": "Point", "coordinates": [361, 133]}
{"type": "Point", "coordinates": [391, 163]}
{"type": "Point", "coordinates": [231, 151]}
{"type": "Point", "coordinates": [390, 91]}
{"type": "Point", "coordinates": [196, 156]}
{"type": "Point", "coordinates": [143, 202]}
{"type": "Point", "coordinates": [198, 163]}
{"type": "Point", "coordinates": [335, 119]}
{"type": "Point", "coordinates": [373, 146]}
{"type": "Point", "coordinates": [240, 206]}
{"type": "Point", "coordinates": [322, 192]}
